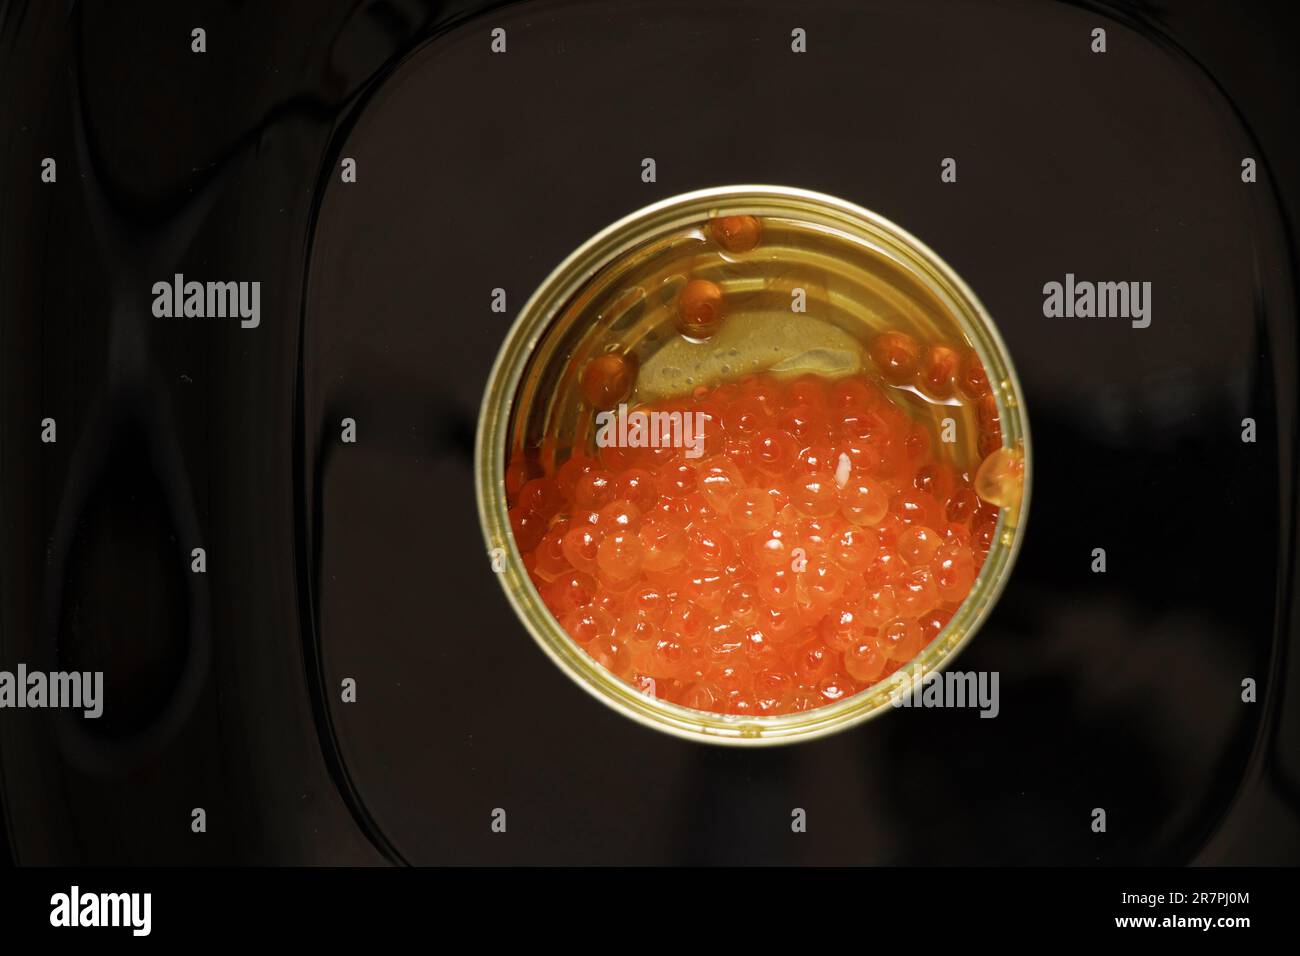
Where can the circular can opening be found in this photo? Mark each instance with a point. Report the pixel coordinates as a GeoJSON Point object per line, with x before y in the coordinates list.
{"type": "Point", "coordinates": [751, 462]}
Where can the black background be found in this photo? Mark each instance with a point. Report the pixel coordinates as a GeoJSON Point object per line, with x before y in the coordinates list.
{"type": "Point", "coordinates": [476, 172]}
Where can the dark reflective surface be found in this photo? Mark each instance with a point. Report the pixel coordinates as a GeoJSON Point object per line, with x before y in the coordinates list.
{"type": "Point", "coordinates": [1119, 691]}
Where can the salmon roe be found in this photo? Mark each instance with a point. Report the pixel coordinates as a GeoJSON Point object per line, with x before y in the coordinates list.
{"type": "Point", "coordinates": [820, 541]}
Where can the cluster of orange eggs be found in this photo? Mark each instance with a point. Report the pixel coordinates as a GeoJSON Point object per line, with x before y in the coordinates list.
{"type": "Point", "coordinates": [815, 547]}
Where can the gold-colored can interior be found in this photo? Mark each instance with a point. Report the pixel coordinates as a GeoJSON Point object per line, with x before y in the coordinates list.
{"type": "Point", "coordinates": [858, 273]}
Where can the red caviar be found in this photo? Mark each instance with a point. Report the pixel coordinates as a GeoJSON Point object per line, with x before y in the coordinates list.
{"type": "Point", "coordinates": [736, 233]}
{"type": "Point", "coordinates": [699, 308]}
{"type": "Point", "coordinates": [816, 546]}
{"type": "Point", "coordinates": [608, 380]}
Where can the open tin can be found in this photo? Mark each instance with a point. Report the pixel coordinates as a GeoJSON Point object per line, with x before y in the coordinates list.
{"type": "Point", "coordinates": [826, 278]}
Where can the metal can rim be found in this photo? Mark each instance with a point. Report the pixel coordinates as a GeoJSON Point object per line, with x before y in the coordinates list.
{"type": "Point", "coordinates": [531, 324]}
